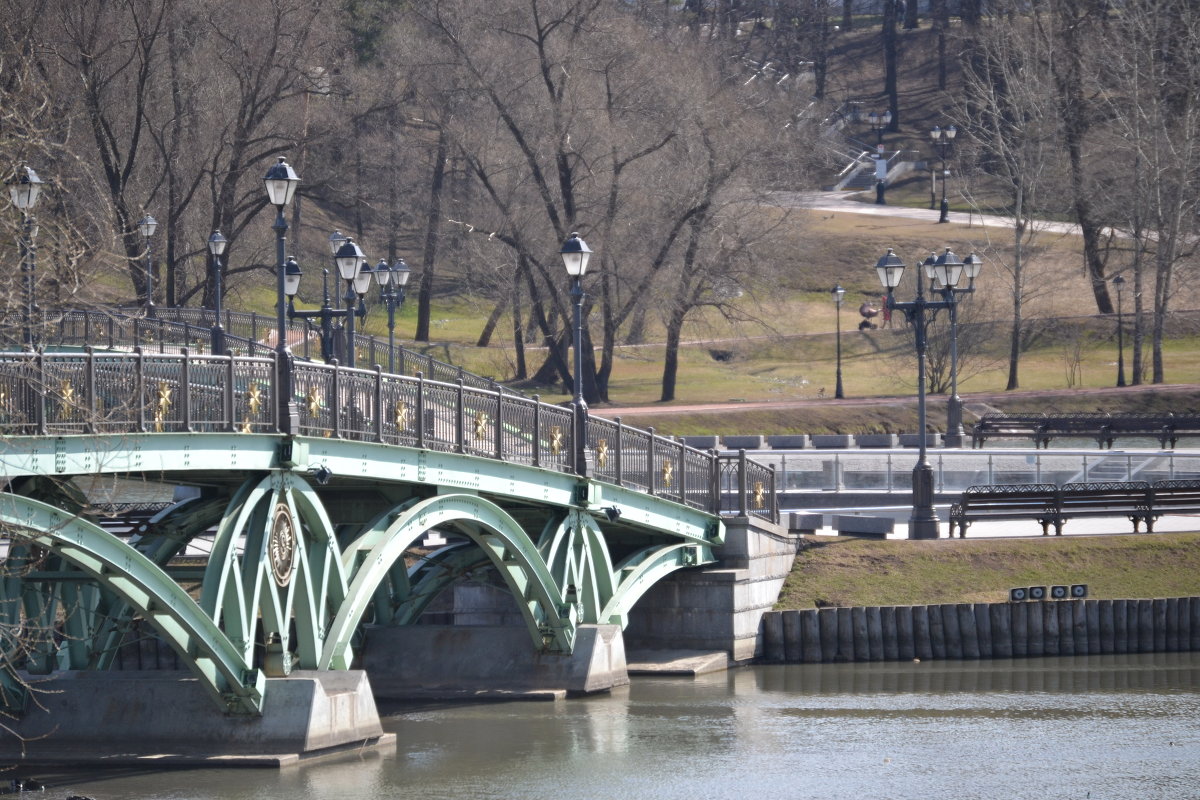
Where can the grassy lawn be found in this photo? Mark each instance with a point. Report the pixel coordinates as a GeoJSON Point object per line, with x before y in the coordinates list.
{"type": "Point", "coordinates": [850, 571]}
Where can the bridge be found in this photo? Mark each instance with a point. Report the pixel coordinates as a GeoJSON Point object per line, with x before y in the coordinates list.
{"type": "Point", "coordinates": [264, 517]}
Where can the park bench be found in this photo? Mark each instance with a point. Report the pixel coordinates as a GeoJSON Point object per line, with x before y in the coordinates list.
{"type": "Point", "coordinates": [1104, 428]}
{"type": "Point", "coordinates": [1139, 501]}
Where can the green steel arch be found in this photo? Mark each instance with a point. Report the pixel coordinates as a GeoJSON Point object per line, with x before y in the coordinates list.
{"type": "Point", "coordinates": [220, 665]}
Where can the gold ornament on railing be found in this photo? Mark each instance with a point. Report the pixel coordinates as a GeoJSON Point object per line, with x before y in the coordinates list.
{"type": "Point", "coordinates": [556, 439]}
{"type": "Point", "coordinates": [253, 405]}
{"type": "Point", "coordinates": [67, 392]}
{"type": "Point", "coordinates": [668, 473]}
{"type": "Point", "coordinates": [162, 405]}
{"type": "Point", "coordinates": [400, 415]}
{"type": "Point", "coordinates": [602, 453]}
{"type": "Point", "coordinates": [481, 421]}
{"type": "Point", "coordinates": [760, 494]}
{"type": "Point", "coordinates": [313, 399]}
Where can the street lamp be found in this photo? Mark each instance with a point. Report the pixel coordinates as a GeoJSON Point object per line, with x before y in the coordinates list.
{"type": "Point", "coordinates": [392, 281]}
{"type": "Point", "coordinates": [879, 123]}
{"type": "Point", "coordinates": [216, 246]}
{"type": "Point", "coordinates": [1119, 282]}
{"type": "Point", "coordinates": [943, 140]}
{"type": "Point", "coordinates": [575, 255]}
{"type": "Point", "coordinates": [356, 272]}
{"type": "Point", "coordinates": [24, 190]}
{"type": "Point", "coordinates": [923, 524]}
{"type": "Point", "coordinates": [839, 294]}
{"type": "Point", "coordinates": [147, 226]}
{"type": "Point", "coordinates": [281, 181]}
{"type": "Point", "coordinates": [946, 267]}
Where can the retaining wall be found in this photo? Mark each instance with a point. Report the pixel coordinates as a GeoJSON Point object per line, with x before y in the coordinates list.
{"type": "Point", "coordinates": [981, 630]}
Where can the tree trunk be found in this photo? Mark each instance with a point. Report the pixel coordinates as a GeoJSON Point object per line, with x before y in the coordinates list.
{"type": "Point", "coordinates": [433, 219]}
{"type": "Point", "coordinates": [890, 56]}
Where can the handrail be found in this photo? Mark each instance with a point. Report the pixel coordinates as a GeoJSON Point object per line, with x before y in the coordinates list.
{"type": "Point", "coordinates": [88, 392]}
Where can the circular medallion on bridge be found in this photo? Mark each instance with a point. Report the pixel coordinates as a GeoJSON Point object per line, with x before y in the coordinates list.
{"type": "Point", "coordinates": [281, 548]}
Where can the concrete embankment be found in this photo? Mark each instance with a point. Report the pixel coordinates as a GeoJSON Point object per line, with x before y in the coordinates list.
{"type": "Point", "coordinates": [981, 630]}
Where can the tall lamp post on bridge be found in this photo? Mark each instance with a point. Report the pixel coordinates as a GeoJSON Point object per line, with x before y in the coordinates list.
{"type": "Point", "coordinates": [216, 246]}
{"type": "Point", "coordinates": [24, 190]}
{"type": "Point", "coordinates": [923, 524]}
{"type": "Point", "coordinates": [1119, 282]}
{"type": "Point", "coordinates": [356, 272]}
{"type": "Point", "coordinates": [943, 140]}
{"type": "Point", "coordinates": [575, 255]}
{"type": "Point", "coordinates": [392, 281]}
{"type": "Point", "coordinates": [146, 227]}
{"type": "Point", "coordinates": [936, 267]}
{"type": "Point", "coordinates": [281, 181]}
{"type": "Point", "coordinates": [839, 294]}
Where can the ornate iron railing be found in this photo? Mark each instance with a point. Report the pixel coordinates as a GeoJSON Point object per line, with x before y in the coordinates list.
{"type": "Point", "coordinates": [110, 392]}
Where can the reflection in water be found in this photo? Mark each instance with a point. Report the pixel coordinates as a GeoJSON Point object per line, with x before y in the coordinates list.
{"type": "Point", "coordinates": [1120, 727]}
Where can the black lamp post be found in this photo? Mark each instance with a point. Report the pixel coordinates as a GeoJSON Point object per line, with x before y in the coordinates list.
{"type": "Point", "coordinates": [936, 267]}
{"type": "Point", "coordinates": [1119, 282]}
{"type": "Point", "coordinates": [356, 272]}
{"type": "Point", "coordinates": [216, 246]}
{"type": "Point", "coordinates": [923, 524]}
{"type": "Point", "coordinates": [392, 281]}
{"type": "Point", "coordinates": [575, 255]}
{"type": "Point", "coordinates": [879, 123]}
{"type": "Point", "coordinates": [147, 226]}
{"type": "Point", "coordinates": [23, 191]}
{"type": "Point", "coordinates": [839, 294]}
{"type": "Point", "coordinates": [281, 181]}
{"type": "Point", "coordinates": [943, 140]}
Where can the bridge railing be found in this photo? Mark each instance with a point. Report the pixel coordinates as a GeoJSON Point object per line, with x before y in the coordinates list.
{"type": "Point", "coordinates": [109, 392]}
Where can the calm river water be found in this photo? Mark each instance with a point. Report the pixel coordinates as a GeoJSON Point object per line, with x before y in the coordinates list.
{"type": "Point", "coordinates": [1101, 727]}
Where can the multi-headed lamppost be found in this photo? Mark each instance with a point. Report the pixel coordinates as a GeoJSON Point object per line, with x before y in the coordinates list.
{"type": "Point", "coordinates": [943, 140]}
{"type": "Point", "coordinates": [879, 123]}
{"type": "Point", "coordinates": [216, 246]}
{"type": "Point", "coordinates": [281, 181]}
{"type": "Point", "coordinates": [839, 294]}
{"type": "Point", "coordinates": [1119, 282]}
{"type": "Point", "coordinates": [937, 266]}
{"type": "Point", "coordinates": [575, 254]}
{"type": "Point", "coordinates": [356, 272]}
{"type": "Point", "coordinates": [147, 225]}
{"type": "Point", "coordinates": [923, 524]}
{"type": "Point", "coordinates": [392, 281]}
{"type": "Point", "coordinates": [23, 191]}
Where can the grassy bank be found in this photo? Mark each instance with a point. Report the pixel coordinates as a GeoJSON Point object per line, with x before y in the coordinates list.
{"type": "Point", "coordinates": [852, 572]}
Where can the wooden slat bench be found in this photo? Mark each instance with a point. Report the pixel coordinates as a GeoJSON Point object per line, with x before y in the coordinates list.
{"type": "Point", "coordinates": [1104, 428]}
{"type": "Point", "coordinates": [1138, 501]}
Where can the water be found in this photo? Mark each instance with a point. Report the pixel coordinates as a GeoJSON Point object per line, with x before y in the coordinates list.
{"type": "Point", "coordinates": [1107, 727]}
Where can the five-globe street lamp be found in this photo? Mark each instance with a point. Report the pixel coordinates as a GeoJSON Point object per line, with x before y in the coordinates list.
{"type": "Point", "coordinates": [943, 140]}
{"type": "Point", "coordinates": [392, 281]}
{"type": "Point", "coordinates": [879, 123]}
{"type": "Point", "coordinates": [575, 255]}
{"type": "Point", "coordinates": [281, 181]}
{"type": "Point", "coordinates": [216, 246]}
{"type": "Point", "coordinates": [23, 191]}
{"type": "Point", "coordinates": [923, 524]}
{"type": "Point", "coordinates": [839, 294]}
{"type": "Point", "coordinates": [936, 267]}
{"type": "Point", "coordinates": [147, 225]}
{"type": "Point", "coordinates": [1119, 282]}
{"type": "Point", "coordinates": [356, 272]}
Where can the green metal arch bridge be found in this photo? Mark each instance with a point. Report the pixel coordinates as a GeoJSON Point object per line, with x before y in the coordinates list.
{"type": "Point", "coordinates": [308, 486]}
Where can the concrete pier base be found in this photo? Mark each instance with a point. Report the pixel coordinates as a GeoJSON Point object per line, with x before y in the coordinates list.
{"type": "Point", "coordinates": [448, 661]}
{"type": "Point", "coordinates": [166, 718]}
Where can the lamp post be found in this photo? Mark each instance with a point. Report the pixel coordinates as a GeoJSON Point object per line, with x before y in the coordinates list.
{"type": "Point", "coordinates": [943, 265]}
{"type": "Point", "coordinates": [923, 524]}
{"type": "Point", "coordinates": [216, 246]}
{"type": "Point", "coordinates": [281, 181]}
{"type": "Point", "coordinates": [943, 140]}
{"type": "Point", "coordinates": [879, 123]}
{"type": "Point", "coordinates": [839, 294]}
{"type": "Point", "coordinates": [392, 281]}
{"type": "Point", "coordinates": [1119, 282]}
{"type": "Point", "coordinates": [575, 255]}
{"type": "Point", "coordinates": [356, 272]}
{"type": "Point", "coordinates": [23, 191]}
{"type": "Point", "coordinates": [147, 226]}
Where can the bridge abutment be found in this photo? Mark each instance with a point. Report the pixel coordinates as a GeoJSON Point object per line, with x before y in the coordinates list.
{"type": "Point", "coordinates": [452, 661]}
{"type": "Point", "coordinates": [719, 607]}
{"type": "Point", "coordinates": [166, 717]}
